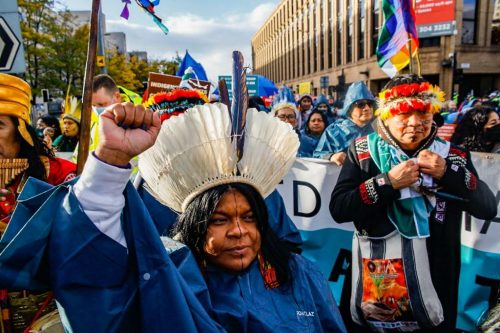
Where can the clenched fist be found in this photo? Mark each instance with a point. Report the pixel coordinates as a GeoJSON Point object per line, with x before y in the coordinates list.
{"type": "Point", "coordinates": [404, 174]}
{"type": "Point", "coordinates": [431, 164]}
{"type": "Point", "coordinates": [125, 131]}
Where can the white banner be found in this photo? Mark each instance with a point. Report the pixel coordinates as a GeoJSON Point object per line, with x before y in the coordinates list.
{"type": "Point", "coordinates": [306, 191]}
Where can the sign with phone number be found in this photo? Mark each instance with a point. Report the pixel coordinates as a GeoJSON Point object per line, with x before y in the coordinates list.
{"type": "Point", "coordinates": [436, 29]}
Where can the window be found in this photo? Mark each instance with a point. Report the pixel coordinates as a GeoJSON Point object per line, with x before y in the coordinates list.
{"type": "Point", "coordinates": [361, 29]}
{"type": "Point", "coordinates": [375, 26]}
{"type": "Point", "coordinates": [350, 29]}
{"type": "Point", "coordinates": [330, 33]}
{"type": "Point", "coordinates": [340, 28]}
{"type": "Point", "coordinates": [469, 22]}
{"type": "Point", "coordinates": [495, 23]}
{"type": "Point", "coordinates": [322, 37]}
{"type": "Point", "coordinates": [429, 42]}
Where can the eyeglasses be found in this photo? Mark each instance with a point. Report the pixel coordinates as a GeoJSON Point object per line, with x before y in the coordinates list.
{"type": "Point", "coordinates": [362, 104]}
{"type": "Point", "coordinates": [420, 115]}
{"type": "Point", "coordinates": [286, 117]}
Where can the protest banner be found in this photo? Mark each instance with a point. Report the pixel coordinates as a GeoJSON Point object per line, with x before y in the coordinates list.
{"type": "Point", "coordinates": [306, 191]}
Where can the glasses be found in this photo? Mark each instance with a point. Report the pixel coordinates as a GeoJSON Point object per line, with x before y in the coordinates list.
{"type": "Point", "coordinates": [286, 117]}
{"type": "Point", "coordinates": [362, 104]}
{"type": "Point", "coordinates": [419, 116]}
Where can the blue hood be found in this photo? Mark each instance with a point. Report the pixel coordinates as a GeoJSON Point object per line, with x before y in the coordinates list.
{"type": "Point", "coordinates": [321, 100]}
{"type": "Point", "coordinates": [357, 91]}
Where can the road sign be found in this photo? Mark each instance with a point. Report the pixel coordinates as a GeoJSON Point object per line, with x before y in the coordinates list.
{"type": "Point", "coordinates": [9, 46]}
{"type": "Point", "coordinates": [101, 61]}
{"type": "Point", "coordinates": [252, 84]}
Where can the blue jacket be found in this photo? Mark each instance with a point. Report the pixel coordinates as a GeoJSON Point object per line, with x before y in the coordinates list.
{"type": "Point", "coordinates": [357, 91]}
{"type": "Point", "coordinates": [338, 136]}
{"type": "Point", "coordinates": [308, 143]}
{"type": "Point", "coordinates": [243, 304]}
{"type": "Point", "coordinates": [102, 286]}
{"type": "Point", "coordinates": [151, 286]}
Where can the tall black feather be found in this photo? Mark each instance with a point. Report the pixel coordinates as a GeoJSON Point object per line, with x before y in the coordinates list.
{"type": "Point", "coordinates": [223, 93]}
{"type": "Point", "coordinates": [240, 102]}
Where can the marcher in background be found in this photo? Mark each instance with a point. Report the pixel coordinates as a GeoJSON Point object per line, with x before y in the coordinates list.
{"type": "Point", "coordinates": [288, 113]}
{"type": "Point", "coordinates": [358, 113]}
{"type": "Point", "coordinates": [67, 141]}
{"type": "Point", "coordinates": [19, 141]}
{"type": "Point", "coordinates": [309, 136]}
{"type": "Point", "coordinates": [404, 187]}
{"type": "Point", "coordinates": [478, 130]}
{"type": "Point", "coordinates": [322, 104]}
{"type": "Point", "coordinates": [48, 121]}
{"type": "Point", "coordinates": [305, 107]}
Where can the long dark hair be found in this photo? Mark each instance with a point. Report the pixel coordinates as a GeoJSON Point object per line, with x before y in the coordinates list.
{"type": "Point", "coordinates": [469, 132]}
{"type": "Point", "coordinates": [36, 167]}
{"type": "Point", "coordinates": [192, 225]}
{"type": "Point", "coordinates": [53, 122]}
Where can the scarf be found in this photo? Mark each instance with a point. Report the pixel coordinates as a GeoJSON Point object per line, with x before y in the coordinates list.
{"type": "Point", "coordinates": [410, 213]}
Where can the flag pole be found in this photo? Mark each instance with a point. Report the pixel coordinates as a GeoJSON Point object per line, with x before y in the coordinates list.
{"type": "Point", "coordinates": [84, 141]}
{"type": "Point", "coordinates": [409, 50]}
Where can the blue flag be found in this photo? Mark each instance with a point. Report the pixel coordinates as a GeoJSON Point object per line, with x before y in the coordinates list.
{"type": "Point", "coordinates": [188, 61]}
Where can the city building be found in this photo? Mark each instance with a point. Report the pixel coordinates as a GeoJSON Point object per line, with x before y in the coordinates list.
{"type": "Point", "coordinates": [82, 17]}
{"type": "Point", "coordinates": [324, 45]}
{"type": "Point", "coordinates": [116, 41]}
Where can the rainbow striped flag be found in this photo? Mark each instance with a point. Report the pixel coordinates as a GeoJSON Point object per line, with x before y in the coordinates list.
{"type": "Point", "coordinates": [398, 32]}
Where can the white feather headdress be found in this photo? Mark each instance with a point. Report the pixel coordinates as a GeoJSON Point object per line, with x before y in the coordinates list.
{"type": "Point", "coordinates": [195, 152]}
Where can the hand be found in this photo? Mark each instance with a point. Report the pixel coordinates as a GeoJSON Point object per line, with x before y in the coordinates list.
{"type": "Point", "coordinates": [403, 175]}
{"type": "Point", "coordinates": [117, 146]}
{"type": "Point", "coordinates": [431, 164]}
{"type": "Point", "coordinates": [377, 311]}
{"type": "Point", "coordinates": [47, 140]}
{"type": "Point", "coordinates": [338, 158]}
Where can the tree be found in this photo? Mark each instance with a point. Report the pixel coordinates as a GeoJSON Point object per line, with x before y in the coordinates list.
{"type": "Point", "coordinates": [120, 69]}
{"type": "Point", "coordinates": [55, 48]}
{"type": "Point", "coordinates": [36, 17]}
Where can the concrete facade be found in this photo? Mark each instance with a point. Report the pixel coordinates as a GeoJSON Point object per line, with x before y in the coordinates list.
{"type": "Point", "coordinates": [305, 40]}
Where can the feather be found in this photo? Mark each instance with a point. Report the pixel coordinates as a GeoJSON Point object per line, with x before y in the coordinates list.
{"type": "Point", "coordinates": [224, 95]}
{"type": "Point", "coordinates": [194, 152]}
{"type": "Point", "coordinates": [239, 104]}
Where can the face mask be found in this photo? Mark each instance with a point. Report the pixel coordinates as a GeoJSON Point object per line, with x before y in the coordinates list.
{"type": "Point", "coordinates": [39, 132]}
{"type": "Point", "coordinates": [99, 109]}
{"type": "Point", "coordinates": [492, 134]}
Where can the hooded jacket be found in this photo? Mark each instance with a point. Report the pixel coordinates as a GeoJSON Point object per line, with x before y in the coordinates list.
{"type": "Point", "coordinates": [338, 136]}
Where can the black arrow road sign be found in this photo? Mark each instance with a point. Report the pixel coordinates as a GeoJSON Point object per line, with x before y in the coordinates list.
{"type": "Point", "coordinates": [9, 45]}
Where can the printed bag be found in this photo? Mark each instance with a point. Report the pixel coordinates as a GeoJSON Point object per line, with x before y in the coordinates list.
{"type": "Point", "coordinates": [392, 289]}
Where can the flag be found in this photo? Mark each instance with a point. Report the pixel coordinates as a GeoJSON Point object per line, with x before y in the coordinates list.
{"type": "Point", "coordinates": [198, 69]}
{"type": "Point", "coordinates": [398, 32]}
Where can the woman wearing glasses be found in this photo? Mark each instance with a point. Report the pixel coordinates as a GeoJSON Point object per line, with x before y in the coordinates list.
{"type": "Point", "coordinates": [403, 180]}
{"type": "Point", "coordinates": [286, 112]}
{"type": "Point", "coordinates": [358, 113]}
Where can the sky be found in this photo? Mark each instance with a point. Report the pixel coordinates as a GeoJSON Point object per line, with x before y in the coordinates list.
{"type": "Point", "coordinates": [209, 29]}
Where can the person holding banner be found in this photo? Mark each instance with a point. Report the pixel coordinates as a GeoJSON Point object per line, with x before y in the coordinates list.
{"type": "Point", "coordinates": [405, 190]}
{"type": "Point", "coordinates": [358, 113]}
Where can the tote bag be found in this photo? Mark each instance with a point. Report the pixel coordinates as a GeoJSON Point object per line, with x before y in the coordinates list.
{"type": "Point", "coordinates": [392, 290]}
